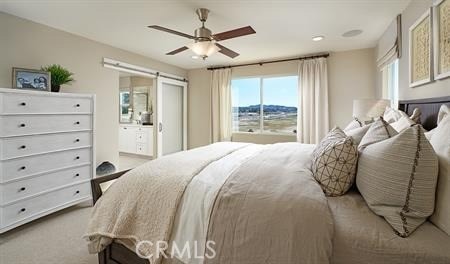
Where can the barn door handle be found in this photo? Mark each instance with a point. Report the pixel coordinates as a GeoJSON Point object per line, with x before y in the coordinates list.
{"type": "Point", "coordinates": [160, 127]}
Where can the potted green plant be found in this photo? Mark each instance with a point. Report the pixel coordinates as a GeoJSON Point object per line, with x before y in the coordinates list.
{"type": "Point", "coordinates": [59, 76]}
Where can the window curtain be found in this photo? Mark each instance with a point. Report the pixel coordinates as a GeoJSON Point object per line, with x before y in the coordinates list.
{"type": "Point", "coordinates": [312, 118]}
{"type": "Point", "coordinates": [221, 115]}
{"type": "Point", "coordinates": [389, 46]}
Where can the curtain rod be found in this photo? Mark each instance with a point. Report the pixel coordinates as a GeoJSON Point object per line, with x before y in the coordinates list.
{"type": "Point", "coordinates": [272, 61]}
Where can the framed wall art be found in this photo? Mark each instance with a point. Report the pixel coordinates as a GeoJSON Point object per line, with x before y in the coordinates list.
{"type": "Point", "coordinates": [441, 38]}
{"type": "Point", "coordinates": [420, 50]}
{"type": "Point", "coordinates": [29, 79]}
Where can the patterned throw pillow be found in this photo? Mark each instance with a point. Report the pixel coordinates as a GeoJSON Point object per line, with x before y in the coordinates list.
{"type": "Point", "coordinates": [397, 178]}
{"type": "Point", "coordinates": [378, 131]}
{"type": "Point", "coordinates": [334, 162]}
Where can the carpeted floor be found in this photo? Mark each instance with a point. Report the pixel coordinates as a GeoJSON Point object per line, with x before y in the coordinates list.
{"type": "Point", "coordinates": [54, 239]}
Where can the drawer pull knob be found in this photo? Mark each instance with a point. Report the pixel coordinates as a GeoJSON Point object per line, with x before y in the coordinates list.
{"type": "Point", "coordinates": [23, 104]}
{"type": "Point", "coordinates": [23, 168]}
{"type": "Point", "coordinates": [23, 189]}
{"type": "Point", "coordinates": [23, 147]}
{"type": "Point", "coordinates": [77, 140]}
{"type": "Point", "coordinates": [77, 192]}
{"type": "Point", "coordinates": [78, 157]}
{"type": "Point", "coordinates": [77, 123]}
{"type": "Point", "coordinates": [76, 175]}
{"type": "Point", "coordinates": [22, 125]}
{"type": "Point", "coordinates": [23, 210]}
{"type": "Point", "coordinates": [77, 105]}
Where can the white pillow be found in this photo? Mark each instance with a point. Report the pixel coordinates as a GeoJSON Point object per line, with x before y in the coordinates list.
{"type": "Point", "coordinates": [354, 124]}
{"type": "Point", "coordinates": [403, 123]}
{"type": "Point", "coordinates": [397, 178]}
{"type": "Point", "coordinates": [441, 144]}
{"type": "Point", "coordinates": [443, 112]}
{"type": "Point", "coordinates": [429, 134]}
{"type": "Point", "coordinates": [391, 115]}
{"type": "Point", "coordinates": [358, 133]}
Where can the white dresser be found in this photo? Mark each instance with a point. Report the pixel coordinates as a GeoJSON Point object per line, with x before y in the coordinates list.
{"type": "Point", "coordinates": [46, 153]}
{"type": "Point", "coordinates": [136, 139]}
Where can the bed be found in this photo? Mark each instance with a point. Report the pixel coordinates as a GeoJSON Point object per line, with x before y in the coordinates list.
{"type": "Point", "coordinates": [346, 233]}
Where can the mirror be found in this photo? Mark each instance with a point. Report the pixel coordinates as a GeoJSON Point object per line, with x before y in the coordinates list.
{"type": "Point", "coordinates": [135, 99]}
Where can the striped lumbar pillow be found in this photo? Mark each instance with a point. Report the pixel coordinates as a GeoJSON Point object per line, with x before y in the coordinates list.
{"type": "Point", "coordinates": [397, 178]}
{"type": "Point", "coordinates": [334, 163]}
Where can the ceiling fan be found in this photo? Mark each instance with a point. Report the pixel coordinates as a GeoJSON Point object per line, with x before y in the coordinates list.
{"type": "Point", "coordinates": [205, 43]}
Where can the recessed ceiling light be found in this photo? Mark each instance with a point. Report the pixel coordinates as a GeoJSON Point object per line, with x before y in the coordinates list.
{"type": "Point", "coordinates": [318, 38]}
{"type": "Point", "coordinates": [195, 57]}
{"type": "Point", "coordinates": [352, 33]}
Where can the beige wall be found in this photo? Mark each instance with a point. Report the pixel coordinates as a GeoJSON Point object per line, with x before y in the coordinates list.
{"type": "Point", "coordinates": [434, 89]}
{"type": "Point", "coordinates": [30, 45]}
{"type": "Point", "coordinates": [199, 109]}
{"type": "Point", "coordinates": [351, 76]}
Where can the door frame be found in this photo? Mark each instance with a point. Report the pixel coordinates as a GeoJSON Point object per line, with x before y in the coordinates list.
{"type": "Point", "coordinates": [159, 106]}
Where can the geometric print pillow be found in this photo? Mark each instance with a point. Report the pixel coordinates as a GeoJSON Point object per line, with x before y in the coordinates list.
{"type": "Point", "coordinates": [334, 163]}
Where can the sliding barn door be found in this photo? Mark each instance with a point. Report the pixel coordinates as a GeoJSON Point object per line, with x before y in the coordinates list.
{"type": "Point", "coordinates": [171, 116]}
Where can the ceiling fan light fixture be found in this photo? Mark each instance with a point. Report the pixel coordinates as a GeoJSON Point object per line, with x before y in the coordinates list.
{"type": "Point", "coordinates": [204, 48]}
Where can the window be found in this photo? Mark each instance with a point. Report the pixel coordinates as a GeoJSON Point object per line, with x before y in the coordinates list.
{"type": "Point", "coordinates": [390, 82]}
{"type": "Point", "coordinates": [275, 97]}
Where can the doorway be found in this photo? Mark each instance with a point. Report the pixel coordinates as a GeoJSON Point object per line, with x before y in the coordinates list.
{"type": "Point", "coordinates": [172, 116]}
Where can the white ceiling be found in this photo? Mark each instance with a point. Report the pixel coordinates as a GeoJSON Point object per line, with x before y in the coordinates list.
{"type": "Point", "coordinates": [283, 28]}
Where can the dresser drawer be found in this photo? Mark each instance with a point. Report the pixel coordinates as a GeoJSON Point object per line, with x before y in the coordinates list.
{"type": "Point", "coordinates": [22, 167]}
{"type": "Point", "coordinates": [39, 205]}
{"type": "Point", "coordinates": [29, 145]}
{"type": "Point", "coordinates": [29, 125]}
{"type": "Point", "coordinates": [45, 103]}
{"type": "Point", "coordinates": [17, 190]}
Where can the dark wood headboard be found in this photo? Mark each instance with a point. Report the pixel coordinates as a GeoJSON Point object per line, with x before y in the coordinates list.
{"type": "Point", "coordinates": [429, 108]}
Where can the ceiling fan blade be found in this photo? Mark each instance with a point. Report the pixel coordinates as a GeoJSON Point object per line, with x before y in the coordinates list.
{"type": "Point", "coordinates": [239, 32]}
{"type": "Point", "coordinates": [172, 31]}
{"type": "Point", "coordinates": [227, 51]}
{"type": "Point", "coordinates": [173, 52]}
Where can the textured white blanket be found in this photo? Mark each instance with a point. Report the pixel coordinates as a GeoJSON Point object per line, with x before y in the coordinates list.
{"type": "Point", "coordinates": [142, 204]}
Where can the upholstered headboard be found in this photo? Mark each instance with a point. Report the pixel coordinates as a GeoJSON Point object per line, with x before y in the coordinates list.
{"type": "Point", "coordinates": [429, 108]}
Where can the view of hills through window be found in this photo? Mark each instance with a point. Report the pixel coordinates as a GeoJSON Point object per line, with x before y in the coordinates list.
{"type": "Point", "coordinates": [275, 97]}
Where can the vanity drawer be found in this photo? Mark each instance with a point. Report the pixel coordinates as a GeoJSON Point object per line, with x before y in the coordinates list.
{"type": "Point", "coordinates": [30, 145]}
{"type": "Point", "coordinates": [39, 205]}
{"type": "Point", "coordinates": [27, 103]}
{"type": "Point", "coordinates": [142, 149]}
{"type": "Point", "coordinates": [141, 137]}
{"type": "Point", "coordinates": [17, 190]}
{"type": "Point", "coordinates": [28, 125]}
{"type": "Point", "coordinates": [22, 167]}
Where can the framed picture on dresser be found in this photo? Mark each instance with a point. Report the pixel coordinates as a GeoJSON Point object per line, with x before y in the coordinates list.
{"type": "Point", "coordinates": [441, 39]}
{"type": "Point", "coordinates": [420, 43]}
{"type": "Point", "coordinates": [29, 79]}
